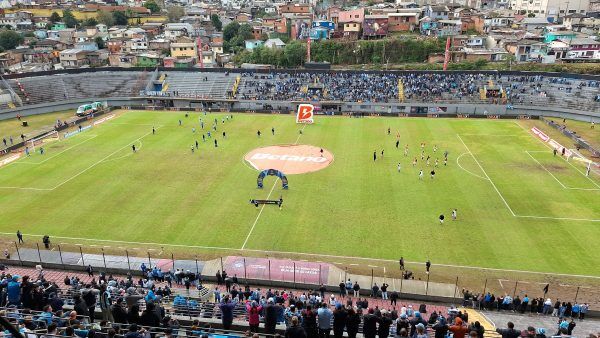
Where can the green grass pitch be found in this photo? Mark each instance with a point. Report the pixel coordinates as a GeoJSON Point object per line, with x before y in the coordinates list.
{"type": "Point", "coordinates": [519, 207]}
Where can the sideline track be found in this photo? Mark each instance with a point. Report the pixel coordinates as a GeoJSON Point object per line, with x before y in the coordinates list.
{"type": "Point", "coordinates": [306, 254]}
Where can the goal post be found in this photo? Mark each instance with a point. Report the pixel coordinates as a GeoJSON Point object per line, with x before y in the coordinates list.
{"type": "Point", "coordinates": [41, 140]}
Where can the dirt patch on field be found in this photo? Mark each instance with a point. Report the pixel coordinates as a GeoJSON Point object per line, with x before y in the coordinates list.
{"type": "Point", "coordinates": [290, 159]}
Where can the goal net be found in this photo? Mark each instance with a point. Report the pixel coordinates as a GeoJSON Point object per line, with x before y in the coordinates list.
{"type": "Point", "coordinates": [40, 141]}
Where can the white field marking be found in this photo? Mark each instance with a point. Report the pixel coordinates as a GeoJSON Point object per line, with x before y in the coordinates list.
{"type": "Point", "coordinates": [258, 216]}
{"type": "Point", "coordinates": [548, 146]}
{"type": "Point", "coordinates": [500, 281]}
{"type": "Point", "coordinates": [372, 266]}
{"type": "Point", "coordinates": [522, 282]}
{"type": "Point", "coordinates": [95, 164]}
{"type": "Point", "coordinates": [548, 171]}
{"type": "Point", "coordinates": [488, 319]}
{"type": "Point", "coordinates": [269, 195]}
{"type": "Point", "coordinates": [301, 254]}
{"type": "Point", "coordinates": [493, 135]}
{"type": "Point", "coordinates": [486, 175]}
{"type": "Point", "coordinates": [53, 156]}
{"type": "Point", "coordinates": [560, 218]}
{"type": "Point", "coordinates": [458, 163]}
{"type": "Point", "coordinates": [27, 188]}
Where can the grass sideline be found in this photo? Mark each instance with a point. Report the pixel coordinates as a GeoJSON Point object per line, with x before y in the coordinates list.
{"type": "Point", "coordinates": [36, 123]}
{"type": "Point", "coordinates": [162, 194]}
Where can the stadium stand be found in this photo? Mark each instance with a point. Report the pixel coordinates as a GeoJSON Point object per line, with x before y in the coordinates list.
{"type": "Point", "coordinates": [572, 92]}
{"type": "Point", "coordinates": [180, 303]}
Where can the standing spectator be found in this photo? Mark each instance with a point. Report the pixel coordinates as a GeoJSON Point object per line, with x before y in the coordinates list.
{"type": "Point", "coordinates": [440, 327]}
{"type": "Point", "coordinates": [106, 304]}
{"type": "Point", "coordinates": [90, 271]}
{"type": "Point", "coordinates": [13, 291]}
{"type": "Point", "coordinates": [421, 333]}
{"type": "Point", "coordinates": [458, 329]}
{"type": "Point", "coordinates": [20, 236]}
{"type": "Point", "coordinates": [295, 330]}
{"type": "Point", "coordinates": [480, 330]}
{"type": "Point", "coordinates": [227, 307]}
{"type": "Point", "coordinates": [309, 322]}
{"type": "Point", "coordinates": [415, 321]}
{"type": "Point", "coordinates": [271, 316]}
{"type": "Point", "coordinates": [118, 313]}
{"type": "Point", "coordinates": [370, 324]}
{"type": "Point", "coordinates": [352, 323]}
{"type": "Point", "coordinates": [385, 321]}
{"type": "Point", "coordinates": [253, 315]}
{"type": "Point", "coordinates": [324, 316]}
{"type": "Point", "coordinates": [340, 317]}
{"type": "Point", "coordinates": [356, 289]}
{"type": "Point", "coordinates": [509, 332]}
{"type": "Point", "coordinates": [375, 290]}
{"type": "Point", "coordinates": [583, 310]}
{"type": "Point", "coordinates": [571, 326]}
{"type": "Point", "coordinates": [342, 290]}
{"type": "Point", "coordinates": [149, 316]}
{"type": "Point", "coordinates": [219, 277]}
{"type": "Point", "coordinates": [384, 294]}
{"type": "Point", "coordinates": [394, 298]}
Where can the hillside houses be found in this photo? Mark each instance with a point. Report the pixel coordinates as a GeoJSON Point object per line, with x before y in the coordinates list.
{"type": "Point", "coordinates": [491, 31]}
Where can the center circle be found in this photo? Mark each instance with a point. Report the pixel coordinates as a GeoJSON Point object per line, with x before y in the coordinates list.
{"type": "Point", "coordinates": [290, 159]}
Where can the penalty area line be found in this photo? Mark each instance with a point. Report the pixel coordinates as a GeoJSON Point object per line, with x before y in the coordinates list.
{"type": "Point", "coordinates": [486, 175]}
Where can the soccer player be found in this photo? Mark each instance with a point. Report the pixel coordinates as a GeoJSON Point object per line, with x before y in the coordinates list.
{"type": "Point", "coordinates": [415, 162]}
{"type": "Point", "coordinates": [422, 146]}
{"type": "Point", "coordinates": [389, 131]}
{"type": "Point", "coordinates": [273, 130]}
{"type": "Point", "coordinates": [432, 174]}
{"type": "Point", "coordinates": [406, 150]}
{"type": "Point", "coordinates": [133, 148]}
{"type": "Point", "coordinates": [216, 145]}
{"type": "Point", "coordinates": [428, 161]}
{"type": "Point", "coordinates": [442, 219]}
{"type": "Point", "coordinates": [180, 122]}
{"type": "Point", "coordinates": [321, 151]}
{"type": "Point", "coordinates": [193, 130]}
{"type": "Point", "coordinates": [41, 150]}
{"type": "Point", "coordinates": [224, 135]}
{"type": "Point", "coordinates": [454, 214]}
{"type": "Point", "coordinates": [201, 124]}
{"type": "Point", "coordinates": [4, 141]}
{"type": "Point", "coordinates": [258, 133]}
{"type": "Point", "coordinates": [382, 150]}
{"type": "Point", "coordinates": [422, 155]}
{"type": "Point", "coordinates": [197, 143]}
{"type": "Point", "coordinates": [421, 174]}
{"type": "Point", "coordinates": [434, 148]}
{"type": "Point", "coordinates": [208, 134]}
{"type": "Point", "coordinates": [374, 156]}
{"type": "Point", "coordinates": [593, 124]}
{"type": "Point", "coordinates": [215, 127]}
{"type": "Point", "coordinates": [399, 167]}
{"type": "Point", "coordinates": [397, 143]}
{"type": "Point", "coordinates": [436, 163]}
{"type": "Point", "coordinates": [445, 161]}
{"type": "Point", "coordinates": [554, 152]}
{"type": "Point", "coordinates": [153, 131]}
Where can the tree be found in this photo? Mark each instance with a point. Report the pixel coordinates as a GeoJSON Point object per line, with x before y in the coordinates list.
{"type": "Point", "coordinates": [69, 19]}
{"type": "Point", "coordinates": [230, 31]}
{"type": "Point", "coordinates": [10, 39]}
{"type": "Point", "coordinates": [174, 13]}
{"type": "Point", "coordinates": [100, 42]}
{"type": "Point", "coordinates": [54, 17]}
{"type": "Point", "coordinates": [295, 53]}
{"type": "Point", "coordinates": [216, 22]}
{"type": "Point", "coordinates": [152, 6]}
{"type": "Point", "coordinates": [89, 22]}
{"type": "Point", "coordinates": [105, 18]}
{"type": "Point", "coordinates": [119, 18]}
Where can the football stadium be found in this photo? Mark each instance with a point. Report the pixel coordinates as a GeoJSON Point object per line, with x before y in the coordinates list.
{"type": "Point", "coordinates": [216, 202]}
